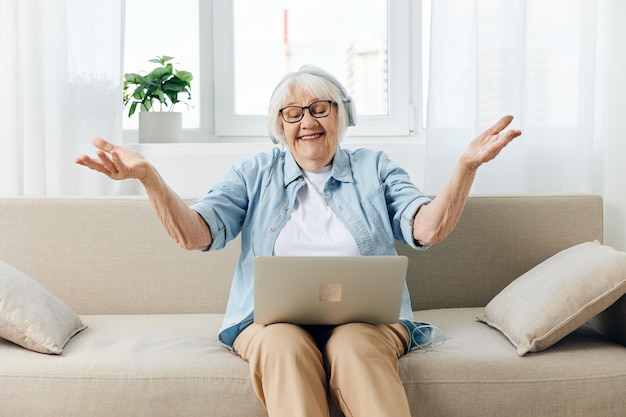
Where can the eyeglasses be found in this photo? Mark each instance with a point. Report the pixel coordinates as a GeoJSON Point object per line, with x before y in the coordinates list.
{"type": "Point", "coordinates": [317, 109]}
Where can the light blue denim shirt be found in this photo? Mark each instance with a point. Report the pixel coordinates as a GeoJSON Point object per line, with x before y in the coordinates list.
{"type": "Point", "coordinates": [370, 194]}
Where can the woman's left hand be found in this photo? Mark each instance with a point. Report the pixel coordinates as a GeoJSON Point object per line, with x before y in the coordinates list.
{"type": "Point", "coordinates": [489, 144]}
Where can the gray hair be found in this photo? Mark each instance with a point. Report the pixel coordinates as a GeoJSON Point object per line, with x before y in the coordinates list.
{"type": "Point", "coordinates": [315, 82]}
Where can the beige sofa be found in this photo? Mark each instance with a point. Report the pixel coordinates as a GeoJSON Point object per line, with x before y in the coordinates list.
{"type": "Point", "coordinates": [153, 310]}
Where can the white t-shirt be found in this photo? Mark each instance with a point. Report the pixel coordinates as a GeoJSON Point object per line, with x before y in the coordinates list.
{"type": "Point", "coordinates": [313, 229]}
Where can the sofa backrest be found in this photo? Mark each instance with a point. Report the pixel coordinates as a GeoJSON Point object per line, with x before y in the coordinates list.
{"type": "Point", "coordinates": [112, 256]}
{"type": "Point", "coordinates": [496, 240]}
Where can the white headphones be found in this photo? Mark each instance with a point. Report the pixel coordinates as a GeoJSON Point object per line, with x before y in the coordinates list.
{"type": "Point", "coordinates": [346, 99]}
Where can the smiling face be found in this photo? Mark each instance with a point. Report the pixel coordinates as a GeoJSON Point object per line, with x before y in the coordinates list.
{"type": "Point", "coordinates": [312, 141]}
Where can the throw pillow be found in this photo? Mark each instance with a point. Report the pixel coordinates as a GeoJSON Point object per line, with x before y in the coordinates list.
{"type": "Point", "coordinates": [31, 316]}
{"type": "Point", "coordinates": [557, 296]}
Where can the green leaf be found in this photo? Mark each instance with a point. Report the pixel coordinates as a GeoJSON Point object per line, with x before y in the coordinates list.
{"type": "Point", "coordinates": [132, 109]}
{"type": "Point", "coordinates": [184, 75]}
{"type": "Point", "coordinates": [161, 74]}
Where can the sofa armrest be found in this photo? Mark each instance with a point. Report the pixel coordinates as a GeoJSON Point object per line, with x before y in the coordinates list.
{"type": "Point", "coordinates": [611, 322]}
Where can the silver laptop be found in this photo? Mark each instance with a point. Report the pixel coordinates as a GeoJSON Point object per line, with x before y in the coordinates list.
{"type": "Point", "coordinates": [328, 289]}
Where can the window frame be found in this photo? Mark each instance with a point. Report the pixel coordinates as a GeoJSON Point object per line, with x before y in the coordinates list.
{"type": "Point", "coordinates": [220, 124]}
{"type": "Point", "coordinates": [396, 123]}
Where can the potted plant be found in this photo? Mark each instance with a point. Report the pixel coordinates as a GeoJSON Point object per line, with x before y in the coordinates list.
{"type": "Point", "coordinates": [156, 94]}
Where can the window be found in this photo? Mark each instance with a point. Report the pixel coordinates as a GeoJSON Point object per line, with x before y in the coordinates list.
{"type": "Point", "coordinates": [271, 38]}
{"type": "Point", "coordinates": [244, 47]}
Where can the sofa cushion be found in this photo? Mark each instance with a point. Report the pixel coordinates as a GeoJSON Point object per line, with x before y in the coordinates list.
{"type": "Point", "coordinates": [155, 365]}
{"type": "Point", "coordinates": [165, 365]}
{"type": "Point", "coordinates": [31, 316]}
{"type": "Point", "coordinates": [557, 296]}
{"type": "Point", "coordinates": [476, 373]}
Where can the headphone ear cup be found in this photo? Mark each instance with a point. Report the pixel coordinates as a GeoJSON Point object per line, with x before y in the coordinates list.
{"type": "Point", "coordinates": [269, 132]}
{"type": "Point", "coordinates": [350, 111]}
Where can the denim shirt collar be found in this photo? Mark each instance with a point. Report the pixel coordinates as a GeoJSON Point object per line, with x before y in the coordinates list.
{"type": "Point", "coordinates": [341, 171]}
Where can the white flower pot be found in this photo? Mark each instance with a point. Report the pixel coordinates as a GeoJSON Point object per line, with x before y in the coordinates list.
{"type": "Point", "coordinates": [160, 127]}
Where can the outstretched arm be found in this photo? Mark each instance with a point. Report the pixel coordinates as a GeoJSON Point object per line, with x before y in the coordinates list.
{"type": "Point", "coordinates": [434, 221]}
{"type": "Point", "coordinates": [182, 223]}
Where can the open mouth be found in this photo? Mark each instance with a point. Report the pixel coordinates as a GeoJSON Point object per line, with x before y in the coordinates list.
{"type": "Point", "coordinates": [311, 137]}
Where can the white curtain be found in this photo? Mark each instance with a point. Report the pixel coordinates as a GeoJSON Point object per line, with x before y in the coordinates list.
{"type": "Point", "coordinates": [557, 66]}
{"type": "Point", "coordinates": [61, 88]}
{"type": "Point", "coordinates": [534, 59]}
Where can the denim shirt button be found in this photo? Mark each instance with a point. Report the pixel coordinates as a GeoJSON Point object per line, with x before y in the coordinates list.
{"type": "Point", "coordinates": [285, 207]}
{"type": "Point", "coordinates": [272, 230]}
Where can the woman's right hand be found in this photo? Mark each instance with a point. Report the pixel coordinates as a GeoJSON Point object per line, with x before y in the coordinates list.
{"type": "Point", "coordinates": [116, 162]}
{"type": "Point", "coordinates": [185, 225]}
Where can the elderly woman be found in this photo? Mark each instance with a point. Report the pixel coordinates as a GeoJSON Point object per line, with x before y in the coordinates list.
{"type": "Point", "coordinates": [312, 198]}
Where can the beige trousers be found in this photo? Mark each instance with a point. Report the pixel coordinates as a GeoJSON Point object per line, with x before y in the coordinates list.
{"type": "Point", "coordinates": [292, 366]}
